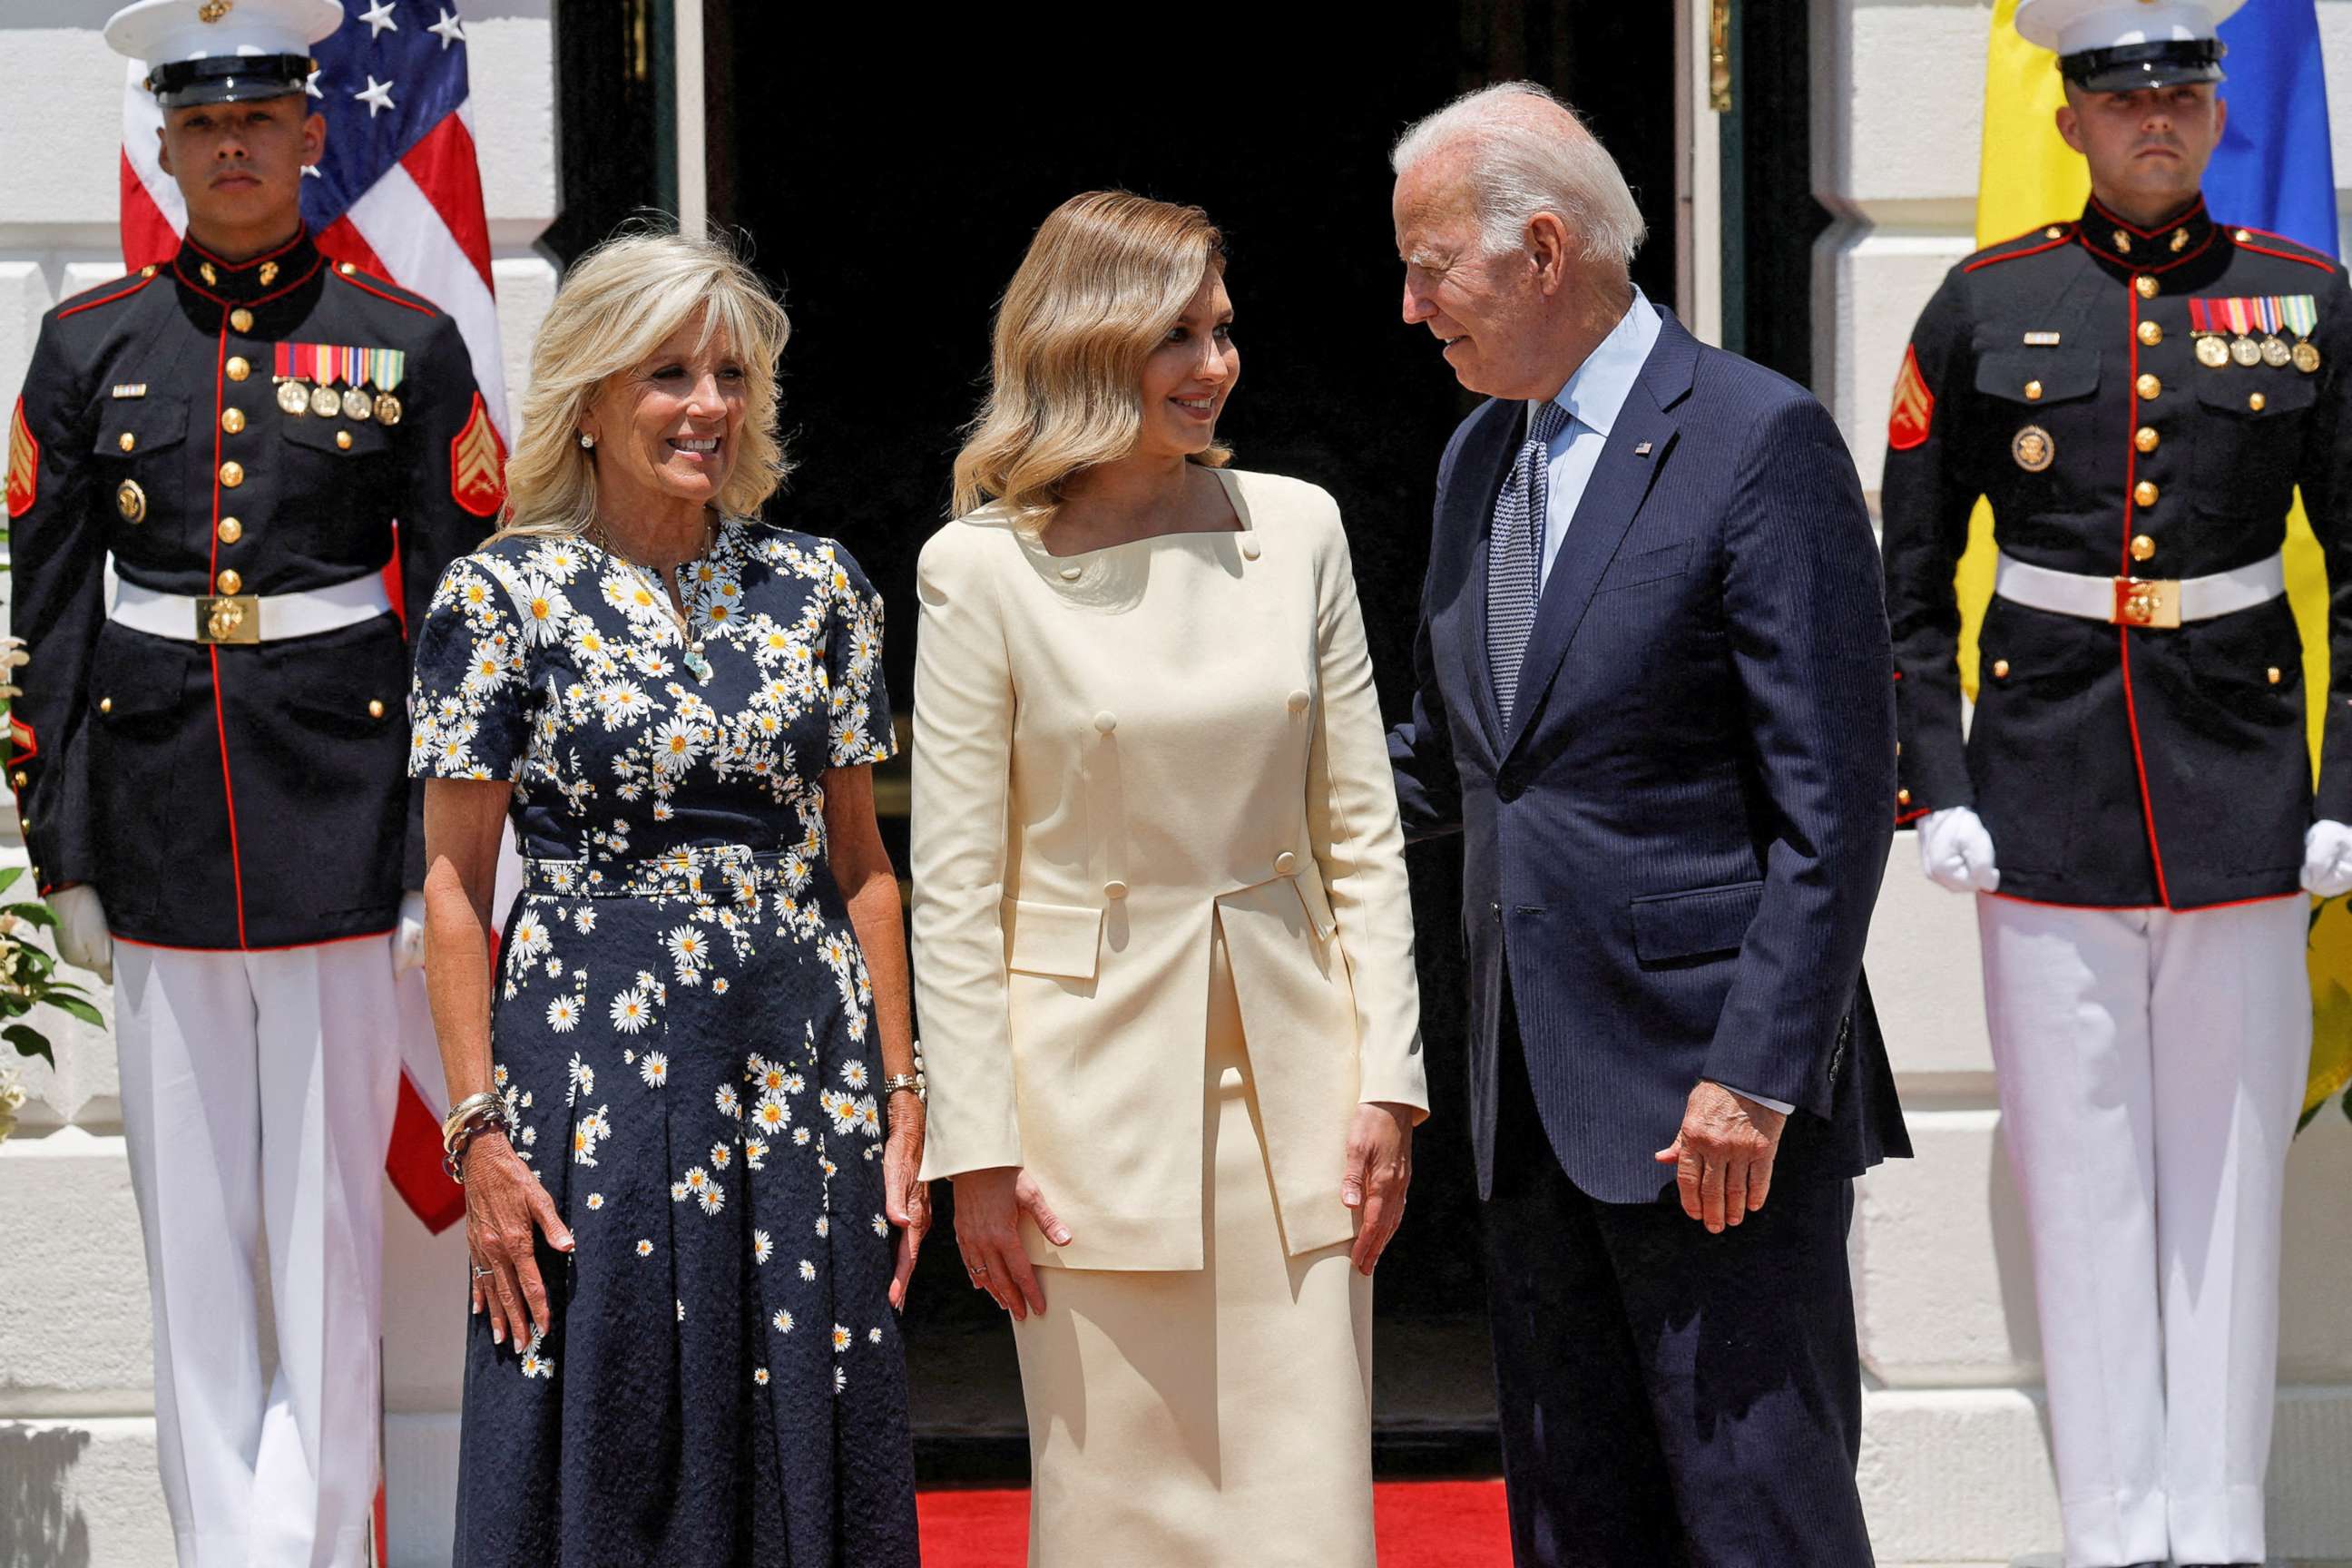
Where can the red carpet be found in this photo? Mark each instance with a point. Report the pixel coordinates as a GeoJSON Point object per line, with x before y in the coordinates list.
{"type": "Point", "coordinates": [1422, 1525]}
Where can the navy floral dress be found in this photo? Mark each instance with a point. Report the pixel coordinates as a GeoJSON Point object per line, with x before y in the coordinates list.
{"type": "Point", "coordinates": [683, 1031]}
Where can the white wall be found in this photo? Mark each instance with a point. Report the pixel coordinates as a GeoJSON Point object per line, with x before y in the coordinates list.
{"type": "Point", "coordinates": [76, 1432]}
{"type": "Point", "coordinates": [1955, 1461]}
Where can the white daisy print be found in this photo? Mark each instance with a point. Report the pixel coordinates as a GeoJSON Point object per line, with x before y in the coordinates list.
{"type": "Point", "coordinates": [631, 1010]}
{"type": "Point", "coordinates": [783, 1322]}
{"type": "Point", "coordinates": [654, 1068]}
{"type": "Point", "coordinates": [762, 1246]}
{"type": "Point", "coordinates": [563, 1014]}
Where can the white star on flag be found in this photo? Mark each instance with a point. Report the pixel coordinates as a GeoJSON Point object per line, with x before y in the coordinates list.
{"type": "Point", "coordinates": [379, 18]}
{"type": "Point", "coordinates": [448, 29]}
{"type": "Point", "coordinates": [376, 94]}
{"type": "Point", "coordinates": [310, 85]}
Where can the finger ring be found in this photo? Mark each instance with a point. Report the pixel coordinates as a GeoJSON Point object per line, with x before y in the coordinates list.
{"type": "Point", "coordinates": [480, 1272]}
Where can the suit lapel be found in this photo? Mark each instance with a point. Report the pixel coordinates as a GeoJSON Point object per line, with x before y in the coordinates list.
{"type": "Point", "coordinates": [1637, 449]}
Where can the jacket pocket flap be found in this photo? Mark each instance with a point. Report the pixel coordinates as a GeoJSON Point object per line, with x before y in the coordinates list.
{"type": "Point", "coordinates": [2055, 374]}
{"type": "Point", "coordinates": [1309, 881]}
{"type": "Point", "coordinates": [147, 423]}
{"type": "Point", "coordinates": [1685, 925]}
{"type": "Point", "coordinates": [1647, 566]}
{"type": "Point", "coordinates": [1052, 938]}
{"type": "Point", "coordinates": [2234, 394]}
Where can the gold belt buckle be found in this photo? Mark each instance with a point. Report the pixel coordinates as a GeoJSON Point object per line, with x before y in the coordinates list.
{"type": "Point", "coordinates": [234, 618]}
{"type": "Point", "coordinates": [2146, 601]}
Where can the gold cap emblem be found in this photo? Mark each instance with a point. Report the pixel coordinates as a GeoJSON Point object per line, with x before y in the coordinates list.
{"type": "Point", "coordinates": [213, 10]}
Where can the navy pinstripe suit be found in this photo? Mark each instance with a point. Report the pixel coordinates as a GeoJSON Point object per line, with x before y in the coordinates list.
{"type": "Point", "coordinates": [1670, 858]}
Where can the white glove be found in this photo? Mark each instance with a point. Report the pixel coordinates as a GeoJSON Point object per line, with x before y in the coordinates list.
{"type": "Point", "coordinates": [83, 939]}
{"type": "Point", "coordinates": [1956, 851]}
{"type": "Point", "coordinates": [408, 937]}
{"type": "Point", "coordinates": [2328, 859]}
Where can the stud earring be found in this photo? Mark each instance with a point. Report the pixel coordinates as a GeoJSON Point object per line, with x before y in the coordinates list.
{"type": "Point", "coordinates": [586, 440]}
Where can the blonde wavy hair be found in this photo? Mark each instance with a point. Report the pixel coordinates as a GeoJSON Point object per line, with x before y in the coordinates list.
{"type": "Point", "coordinates": [1107, 276]}
{"type": "Point", "coordinates": [616, 307]}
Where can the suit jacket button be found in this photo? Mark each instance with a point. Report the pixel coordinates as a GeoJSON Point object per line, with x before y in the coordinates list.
{"type": "Point", "coordinates": [1106, 722]}
{"type": "Point", "coordinates": [1284, 864]}
{"type": "Point", "coordinates": [1298, 700]}
{"type": "Point", "coordinates": [241, 320]}
{"type": "Point", "coordinates": [375, 708]}
{"type": "Point", "coordinates": [1903, 798]}
{"type": "Point", "coordinates": [1071, 574]}
{"type": "Point", "coordinates": [21, 781]}
{"type": "Point", "coordinates": [1249, 546]}
{"type": "Point", "coordinates": [1114, 890]}
{"type": "Point", "coordinates": [106, 704]}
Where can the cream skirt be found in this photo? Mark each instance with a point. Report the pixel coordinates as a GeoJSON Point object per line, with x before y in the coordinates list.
{"type": "Point", "coordinates": [1211, 1419]}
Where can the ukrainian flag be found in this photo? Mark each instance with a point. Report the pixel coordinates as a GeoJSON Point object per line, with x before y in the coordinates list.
{"type": "Point", "coordinates": [2273, 171]}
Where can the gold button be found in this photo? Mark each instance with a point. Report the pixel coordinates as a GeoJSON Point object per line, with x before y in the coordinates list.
{"type": "Point", "coordinates": [2273, 672]}
{"type": "Point", "coordinates": [106, 704]}
{"type": "Point", "coordinates": [230, 582]}
{"type": "Point", "coordinates": [239, 367]}
{"type": "Point", "coordinates": [2000, 669]}
{"type": "Point", "coordinates": [126, 440]}
{"type": "Point", "coordinates": [241, 321]}
{"type": "Point", "coordinates": [1106, 722]}
{"type": "Point", "coordinates": [231, 531]}
{"type": "Point", "coordinates": [2052, 232]}
{"type": "Point", "coordinates": [2150, 333]}
{"type": "Point", "coordinates": [1284, 864]}
{"type": "Point", "coordinates": [2148, 388]}
{"type": "Point", "coordinates": [1903, 798]}
{"type": "Point", "coordinates": [347, 268]}
{"type": "Point", "coordinates": [2255, 401]}
{"type": "Point", "coordinates": [21, 780]}
{"type": "Point", "coordinates": [232, 474]}
{"type": "Point", "coordinates": [2032, 392]}
{"type": "Point", "coordinates": [2144, 493]}
{"type": "Point", "coordinates": [232, 420]}
{"type": "Point", "coordinates": [2142, 547]}
{"type": "Point", "coordinates": [1114, 890]}
{"type": "Point", "coordinates": [343, 439]}
{"type": "Point", "coordinates": [2245, 235]}
{"type": "Point", "coordinates": [2145, 438]}
{"type": "Point", "coordinates": [148, 270]}
{"type": "Point", "coordinates": [2145, 284]}
{"type": "Point", "coordinates": [375, 708]}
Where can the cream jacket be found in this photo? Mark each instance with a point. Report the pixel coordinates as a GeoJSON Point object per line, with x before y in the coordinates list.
{"type": "Point", "coordinates": [1114, 753]}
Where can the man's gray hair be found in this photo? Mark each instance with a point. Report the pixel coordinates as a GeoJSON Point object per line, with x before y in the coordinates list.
{"type": "Point", "coordinates": [1528, 153]}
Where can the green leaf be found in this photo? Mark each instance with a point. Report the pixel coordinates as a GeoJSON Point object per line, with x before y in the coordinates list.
{"type": "Point", "coordinates": [9, 877]}
{"type": "Point", "coordinates": [35, 914]}
{"type": "Point", "coordinates": [75, 1007]}
{"type": "Point", "coordinates": [29, 1042]}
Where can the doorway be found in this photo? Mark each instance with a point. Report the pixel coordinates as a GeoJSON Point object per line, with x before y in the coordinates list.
{"type": "Point", "coordinates": [887, 171]}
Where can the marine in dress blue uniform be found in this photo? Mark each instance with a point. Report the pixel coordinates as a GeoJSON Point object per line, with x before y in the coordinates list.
{"type": "Point", "coordinates": [210, 759]}
{"type": "Point", "coordinates": [2139, 401]}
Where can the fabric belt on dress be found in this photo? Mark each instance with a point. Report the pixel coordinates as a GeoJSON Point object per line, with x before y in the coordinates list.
{"type": "Point", "coordinates": [249, 617]}
{"type": "Point", "coordinates": [704, 870]}
{"type": "Point", "coordinates": [2140, 601]}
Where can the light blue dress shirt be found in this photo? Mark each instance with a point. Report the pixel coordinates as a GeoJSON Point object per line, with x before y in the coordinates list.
{"type": "Point", "coordinates": [1592, 399]}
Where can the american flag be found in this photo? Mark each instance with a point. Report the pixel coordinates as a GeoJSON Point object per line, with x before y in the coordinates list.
{"type": "Point", "coordinates": [399, 193]}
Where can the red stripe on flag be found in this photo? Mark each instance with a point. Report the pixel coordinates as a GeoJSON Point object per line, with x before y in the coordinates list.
{"type": "Point", "coordinates": [147, 235]}
{"type": "Point", "coordinates": [338, 241]}
{"type": "Point", "coordinates": [444, 166]}
{"type": "Point", "coordinates": [413, 1163]}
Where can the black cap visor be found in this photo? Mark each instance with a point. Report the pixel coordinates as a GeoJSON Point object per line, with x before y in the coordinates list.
{"type": "Point", "coordinates": [229, 78]}
{"type": "Point", "coordinates": [2127, 67]}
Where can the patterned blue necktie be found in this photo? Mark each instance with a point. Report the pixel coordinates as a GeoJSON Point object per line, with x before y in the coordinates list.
{"type": "Point", "coordinates": [1515, 548]}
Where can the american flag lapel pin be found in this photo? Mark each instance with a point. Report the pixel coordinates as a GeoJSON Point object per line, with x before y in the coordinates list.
{"type": "Point", "coordinates": [1642, 450]}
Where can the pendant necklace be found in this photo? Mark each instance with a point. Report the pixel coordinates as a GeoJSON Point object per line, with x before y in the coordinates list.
{"type": "Point", "coordinates": [692, 657]}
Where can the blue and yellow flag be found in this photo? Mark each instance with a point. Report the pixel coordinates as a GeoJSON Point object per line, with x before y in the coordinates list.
{"type": "Point", "coordinates": [2273, 170]}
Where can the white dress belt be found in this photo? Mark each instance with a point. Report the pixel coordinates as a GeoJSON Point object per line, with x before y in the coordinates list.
{"type": "Point", "coordinates": [276, 616]}
{"type": "Point", "coordinates": [2138, 601]}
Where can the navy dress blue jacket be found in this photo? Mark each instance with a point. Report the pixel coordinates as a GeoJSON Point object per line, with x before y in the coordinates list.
{"type": "Point", "coordinates": [1674, 847]}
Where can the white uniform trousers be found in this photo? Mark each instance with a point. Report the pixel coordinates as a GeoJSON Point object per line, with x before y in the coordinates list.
{"type": "Point", "coordinates": [257, 1095]}
{"type": "Point", "coordinates": [2151, 1069]}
